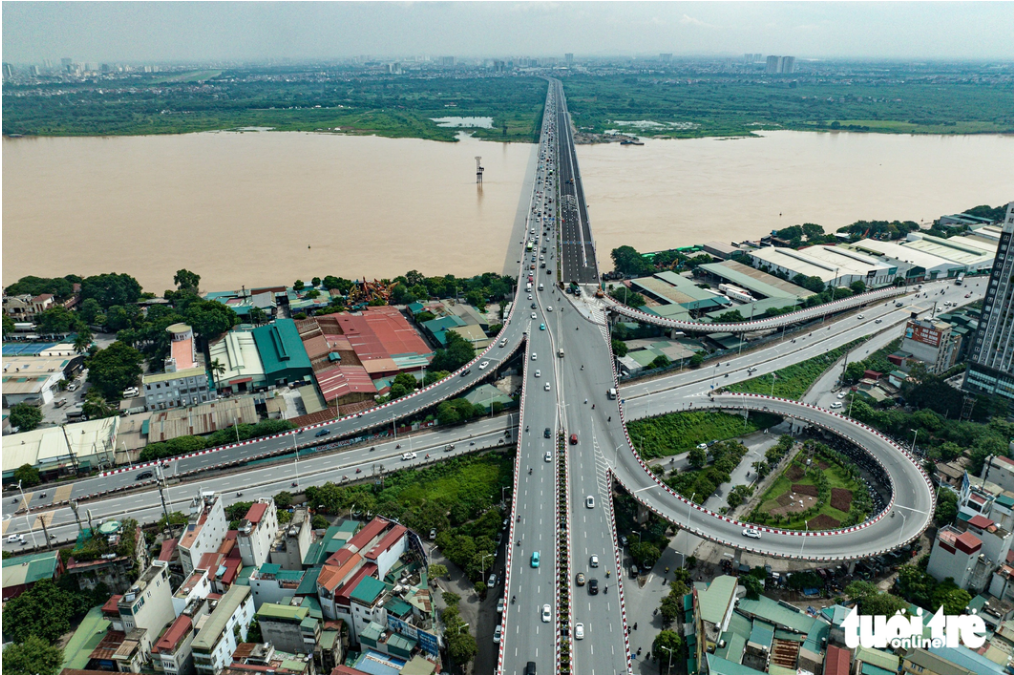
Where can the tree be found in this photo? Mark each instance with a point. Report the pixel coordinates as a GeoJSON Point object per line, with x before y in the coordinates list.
{"type": "Point", "coordinates": [697, 457]}
{"type": "Point", "coordinates": [660, 361]}
{"type": "Point", "coordinates": [754, 586]}
{"type": "Point", "coordinates": [43, 611]}
{"type": "Point", "coordinates": [696, 360]}
{"type": "Point", "coordinates": [25, 417]}
{"type": "Point", "coordinates": [629, 262]}
{"type": "Point", "coordinates": [217, 368]}
{"type": "Point", "coordinates": [319, 522]}
{"type": "Point", "coordinates": [210, 319]}
{"type": "Point", "coordinates": [8, 325]}
{"type": "Point", "coordinates": [114, 368]}
{"type": "Point", "coordinates": [298, 286]}
{"type": "Point", "coordinates": [95, 407]}
{"type": "Point", "coordinates": [257, 316]}
{"type": "Point", "coordinates": [455, 354]}
{"type": "Point", "coordinates": [451, 599]}
{"type": "Point", "coordinates": [947, 507]}
{"type": "Point", "coordinates": [857, 287]}
{"type": "Point", "coordinates": [253, 632]}
{"type": "Point", "coordinates": [111, 289]}
{"type": "Point", "coordinates": [462, 648]}
{"type": "Point", "coordinates": [82, 341]}
{"type": "Point", "coordinates": [90, 309]}
{"type": "Point", "coordinates": [186, 280]}
{"type": "Point", "coordinates": [436, 571]}
{"type": "Point", "coordinates": [57, 319]}
{"type": "Point", "coordinates": [34, 656]}
{"type": "Point", "coordinates": [283, 499]}
{"type": "Point", "coordinates": [619, 347]}
{"type": "Point", "coordinates": [315, 281]}
{"type": "Point", "coordinates": [645, 553]}
{"type": "Point", "coordinates": [666, 648]}
{"type": "Point", "coordinates": [671, 608]}
{"type": "Point", "coordinates": [27, 475]}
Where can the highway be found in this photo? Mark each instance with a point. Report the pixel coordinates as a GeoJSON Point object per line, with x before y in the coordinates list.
{"type": "Point", "coordinates": [576, 243]}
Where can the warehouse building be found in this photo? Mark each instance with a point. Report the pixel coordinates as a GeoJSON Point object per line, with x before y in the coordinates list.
{"type": "Point", "coordinates": [282, 353]}
{"type": "Point", "coordinates": [969, 254]}
{"type": "Point", "coordinates": [669, 288]}
{"type": "Point", "coordinates": [237, 352]}
{"type": "Point", "coordinates": [34, 378]}
{"type": "Point", "coordinates": [912, 263]}
{"type": "Point", "coordinates": [56, 451]}
{"type": "Point", "coordinates": [833, 265]}
{"type": "Point", "coordinates": [760, 284]}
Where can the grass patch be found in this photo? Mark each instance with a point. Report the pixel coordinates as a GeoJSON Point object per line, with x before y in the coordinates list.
{"type": "Point", "coordinates": [676, 433]}
{"type": "Point", "coordinates": [784, 486]}
{"type": "Point", "coordinates": [792, 382]}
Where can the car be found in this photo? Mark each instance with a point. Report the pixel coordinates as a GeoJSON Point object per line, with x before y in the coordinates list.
{"type": "Point", "coordinates": [433, 533]}
{"type": "Point", "coordinates": [549, 456]}
{"type": "Point", "coordinates": [593, 587]}
{"type": "Point", "coordinates": [542, 326]}
{"type": "Point", "coordinates": [407, 456]}
{"type": "Point", "coordinates": [547, 388]}
{"type": "Point", "coordinates": [535, 356]}
{"type": "Point", "coordinates": [841, 395]}
{"type": "Point", "coordinates": [533, 305]}
{"type": "Point", "coordinates": [145, 475]}
{"type": "Point", "coordinates": [702, 446]}
{"type": "Point", "coordinates": [535, 558]}
{"type": "Point", "coordinates": [530, 668]}
{"type": "Point", "coordinates": [633, 571]}
{"type": "Point", "coordinates": [836, 405]}
{"type": "Point", "coordinates": [72, 386]}
{"type": "Point", "coordinates": [491, 582]}
{"type": "Point", "coordinates": [59, 404]}
{"type": "Point", "coordinates": [547, 613]}
{"type": "Point", "coordinates": [483, 365]}
{"type": "Point", "coordinates": [547, 433]}
{"type": "Point", "coordinates": [593, 561]}
{"type": "Point", "coordinates": [623, 540]}
{"type": "Point", "coordinates": [529, 296]}
{"type": "Point", "coordinates": [573, 439]}
{"type": "Point", "coordinates": [589, 502]}
{"type": "Point", "coordinates": [322, 432]}
{"type": "Point", "coordinates": [503, 343]}
{"type": "Point", "coordinates": [12, 538]}
{"type": "Point", "coordinates": [752, 533]}
{"type": "Point", "coordinates": [538, 373]}
{"type": "Point", "coordinates": [968, 295]}
{"type": "Point", "coordinates": [497, 634]}
{"type": "Point", "coordinates": [579, 631]}
{"type": "Point", "coordinates": [533, 316]}
{"type": "Point", "coordinates": [448, 447]}
{"type": "Point", "coordinates": [860, 317]}
{"type": "Point", "coordinates": [549, 309]}
{"type": "Point", "coordinates": [499, 606]}
{"type": "Point", "coordinates": [130, 392]}
{"type": "Point", "coordinates": [879, 321]}
{"type": "Point", "coordinates": [466, 371]}
{"type": "Point", "coordinates": [580, 579]}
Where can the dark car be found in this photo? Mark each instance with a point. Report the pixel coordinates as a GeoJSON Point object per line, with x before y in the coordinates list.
{"type": "Point", "coordinates": [547, 433]}
{"type": "Point", "coordinates": [530, 668]}
{"type": "Point", "coordinates": [466, 371]}
{"type": "Point", "coordinates": [533, 305]}
{"type": "Point", "coordinates": [145, 475]}
{"type": "Point", "coordinates": [593, 587]}
{"type": "Point", "coordinates": [322, 432]}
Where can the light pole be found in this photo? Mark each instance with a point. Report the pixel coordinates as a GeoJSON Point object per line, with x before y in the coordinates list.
{"type": "Point", "coordinates": [851, 399]}
{"type": "Point", "coordinates": [915, 435]}
{"type": "Point", "coordinates": [295, 457]}
{"type": "Point", "coordinates": [483, 563]}
{"type": "Point", "coordinates": [27, 521]}
{"type": "Point", "coordinates": [807, 526]}
{"type": "Point", "coordinates": [774, 376]}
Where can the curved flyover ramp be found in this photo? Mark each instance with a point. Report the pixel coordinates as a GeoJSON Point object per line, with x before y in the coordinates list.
{"type": "Point", "coordinates": [906, 516]}
{"type": "Point", "coordinates": [772, 323]}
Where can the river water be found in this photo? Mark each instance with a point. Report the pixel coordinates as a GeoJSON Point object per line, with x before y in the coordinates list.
{"type": "Point", "coordinates": [265, 208]}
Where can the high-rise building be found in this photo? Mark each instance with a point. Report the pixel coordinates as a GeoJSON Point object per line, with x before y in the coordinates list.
{"type": "Point", "coordinates": [66, 63]}
{"type": "Point", "coordinates": [569, 58]}
{"type": "Point", "coordinates": [8, 71]}
{"type": "Point", "coordinates": [772, 65]}
{"type": "Point", "coordinates": [786, 64]}
{"type": "Point", "coordinates": [991, 358]}
{"type": "Point", "coordinates": [665, 58]}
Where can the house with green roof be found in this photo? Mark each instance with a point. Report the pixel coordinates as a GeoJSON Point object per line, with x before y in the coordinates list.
{"type": "Point", "coordinates": [289, 628]}
{"type": "Point", "coordinates": [774, 612]}
{"type": "Point", "coordinates": [23, 571]}
{"type": "Point", "coordinates": [270, 583]}
{"type": "Point", "coordinates": [719, 666]}
{"type": "Point", "coordinates": [86, 638]}
{"type": "Point", "coordinates": [876, 657]}
{"type": "Point", "coordinates": [713, 610]}
{"type": "Point", "coordinates": [223, 630]}
{"type": "Point", "coordinates": [437, 329]}
{"type": "Point", "coordinates": [282, 352]}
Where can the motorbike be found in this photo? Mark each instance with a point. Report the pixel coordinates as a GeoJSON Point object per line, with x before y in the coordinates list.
{"type": "Point", "coordinates": [295, 484]}
{"type": "Point", "coordinates": [398, 447]}
{"type": "Point", "coordinates": [610, 419]}
{"type": "Point", "coordinates": [359, 470]}
{"type": "Point", "coordinates": [593, 405]}
{"type": "Point", "coordinates": [427, 456]}
{"type": "Point", "coordinates": [239, 494]}
{"type": "Point", "coordinates": [373, 448]}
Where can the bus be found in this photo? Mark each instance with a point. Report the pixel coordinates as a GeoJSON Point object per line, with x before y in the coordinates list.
{"type": "Point", "coordinates": [530, 245]}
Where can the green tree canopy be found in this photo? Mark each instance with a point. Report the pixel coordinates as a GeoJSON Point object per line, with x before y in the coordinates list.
{"type": "Point", "coordinates": [111, 289]}
{"type": "Point", "coordinates": [114, 368]}
{"type": "Point", "coordinates": [33, 656]}
{"type": "Point", "coordinates": [186, 280]}
{"type": "Point", "coordinates": [27, 475]}
{"type": "Point", "coordinates": [628, 261]}
{"type": "Point", "coordinates": [666, 648]}
{"type": "Point", "coordinates": [210, 319]}
{"type": "Point", "coordinates": [25, 417]}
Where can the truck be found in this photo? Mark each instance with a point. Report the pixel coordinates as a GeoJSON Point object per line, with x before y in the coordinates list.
{"type": "Point", "coordinates": [560, 353]}
{"type": "Point", "coordinates": [960, 280]}
{"type": "Point", "coordinates": [611, 393]}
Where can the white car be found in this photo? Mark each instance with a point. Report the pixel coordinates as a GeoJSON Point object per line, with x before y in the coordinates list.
{"type": "Point", "coordinates": [12, 538]}
{"type": "Point", "coordinates": [497, 634]}
{"type": "Point", "coordinates": [538, 373]}
{"type": "Point", "coordinates": [752, 533]}
{"type": "Point", "coordinates": [547, 613]}
{"type": "Point", "coordinates": [836, 405]}
{"type": "Point", "coordinates": [841, 395]}
{"type": "Point", "coordinates": [529, 296]}
{"type": "Point", "coordinates": [593, 561]}
{"type": "Point", "coordinates": [482, 366]}
{"type": "Point", "coordinates": [533, 316]}
{"type": "Point", "coordinates": [549, 456]}
{"type": "Point", "coordinates": [579, 631]}
{"type": "Point", "coordinates": [534, 356]}
{"type": "Point", "coordinates": [589, 501]}
{"type": "Point", "coordinates": [499, 606]}
{"type": "Point", "coordinates": [407, 456]}
{"type": "Point", "coordinates": [860, 317]}
{"type": "Point", "coordinates": [549, 309]}
{"type": "Point", "coordinates": [547, 386]}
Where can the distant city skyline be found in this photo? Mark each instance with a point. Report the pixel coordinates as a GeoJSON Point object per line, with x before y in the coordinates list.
{"type": "Point", "coordinates": [133, 32]}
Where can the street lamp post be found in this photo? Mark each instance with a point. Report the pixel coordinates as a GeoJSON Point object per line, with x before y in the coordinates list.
{"type": "Point", "coordinates": [27, 521]}
{"type": "Point", "coordinates": [295, 457]}
{"type": "Point", "coordinates": [689, 502]}
{"type": "Point", "coordinates": [915, 435]}
{"type": "Point", "coordinates": [483, 563]}
{"type": "Point", "coordinates": [774, 376]}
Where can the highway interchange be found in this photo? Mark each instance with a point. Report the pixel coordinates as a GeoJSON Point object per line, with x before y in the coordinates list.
{"type": "Point", "coordinates": [576, 402]}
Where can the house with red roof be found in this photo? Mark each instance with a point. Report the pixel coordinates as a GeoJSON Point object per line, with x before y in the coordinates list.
{"type": "Point", "coordinates": [956, 555]}
{"type": "Point", "coordinates": [257, 531]}
{"type": "Point", "coordinates": [172, 653]}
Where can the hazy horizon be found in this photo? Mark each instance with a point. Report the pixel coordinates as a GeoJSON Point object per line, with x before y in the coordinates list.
{"type": "Point", "coordinates": [186, 32]}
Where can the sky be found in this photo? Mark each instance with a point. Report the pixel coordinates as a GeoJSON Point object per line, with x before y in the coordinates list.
{"type": "Point", "coordinates": [132, 32]}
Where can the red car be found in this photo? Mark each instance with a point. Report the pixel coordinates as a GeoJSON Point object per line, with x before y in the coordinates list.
{"type": "Point", "coordinates": [573, 439]}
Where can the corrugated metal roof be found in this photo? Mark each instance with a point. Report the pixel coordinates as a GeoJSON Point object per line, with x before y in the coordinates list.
{"type": "Point", "coordinates": [216, 622]}
{"type": "Point", "coordinates": [27, 569]}
{"type": "Point", "coordinates": [368, 590]}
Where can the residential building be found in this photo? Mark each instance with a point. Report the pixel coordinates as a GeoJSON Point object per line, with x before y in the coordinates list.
{"type": "Point", "coordinates": [205, 530]}
{"type": "Point", "coordinates": [22, 572]}
{"type": "Point", "coordinates": [786, 65]}
{"type": "Point", "coordinates": [26, 307]}
{"type": "Point", "coordinates": [956, 555]}
{"type": "Point", "coordinates": [216, 639]}
{"type": "Point", "coordinates": [991, 357]}
{"type": "Point", "coordinates": [366, 605]}
{"type": "Point", "coordinates": [149, 602]}
{"type": "Point", "coordinates": [931, 341]}
{"type": "Point", "coordinates": [100, 562]}
{"type": "Point", "coordinates": [339, 569]}
{"type": "Point", "coordinates": [292, 544]}
{"type": "Point", "coordinates": [173, 653]}
{"type": "Point", "coordinates": [996, 541]}
{"type": "Point", "coordinates": [772, 65]}
{"type": "Point", "coordinates": [257, 532]}
{"type": "Point", "coordinates": [195, 588]}
{"type": "Point", "coordinates": [999, 470]}
{"type": "Point", "coordinates": [185, 381]}
{"type": "Point", "coordinates": [713, 609]}
{"type": "Point", "coordinates": [271, 584]}
{"type": "Point", "coordinates": [257, 659]}
{"type": "Point", "coordinates": [288, 628]}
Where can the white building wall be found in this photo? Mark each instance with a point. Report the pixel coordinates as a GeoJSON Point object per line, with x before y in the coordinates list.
{"type": "Point", "coordinates": [957, 565]}
{"type": "Point", "coordinates": [210, 537]}
{"type": "Point", "coordinates": [385, 561]}
{"type": "Point", "coordinates": [255, 545]}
